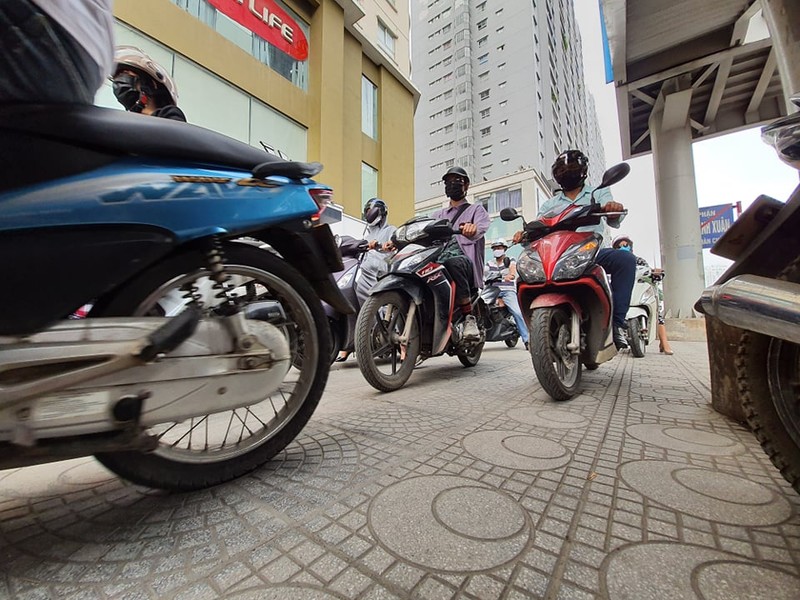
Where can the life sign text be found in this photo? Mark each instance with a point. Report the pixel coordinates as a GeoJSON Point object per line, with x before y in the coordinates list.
{"type": "Point", "coordinates": [268, 21]}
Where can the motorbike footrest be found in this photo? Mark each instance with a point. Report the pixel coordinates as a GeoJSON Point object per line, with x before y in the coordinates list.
{"type": "Point", "coordinates": [172, 334]}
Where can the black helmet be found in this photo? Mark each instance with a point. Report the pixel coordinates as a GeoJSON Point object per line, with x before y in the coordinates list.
{"type": "Point", "coordinates": [570, 169]}
{"type": "Point", "coordinates": [456, 171]}
{"type": "Point", "coordinates": [375, 210]}
{"type": "Point", "coordinates": [620, 238]}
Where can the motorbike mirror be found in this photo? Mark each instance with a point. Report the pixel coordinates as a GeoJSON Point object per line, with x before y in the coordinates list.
{"type": "Point", "coordinates": [795, 99]}
{"type": "Point", "coordinates": [509, 214]}
{"type": "Point", "coordinates": [614, 175]}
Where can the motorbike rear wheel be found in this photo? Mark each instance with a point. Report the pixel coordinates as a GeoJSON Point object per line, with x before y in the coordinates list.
{"type": "Point", "coordinates": [638, 347]}
{"type": "Point", "coordinates": [558, 370]}
{"type": "Point", "coordinates": [210, 449]}
{"type": "Point", "coordinates": [386, 363]}
{"type": "Point", "coordinates": [512, 341]}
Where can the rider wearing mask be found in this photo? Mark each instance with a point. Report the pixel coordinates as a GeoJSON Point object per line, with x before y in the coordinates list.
{"type": "Point", "coordinates": [464, 255]}
{"type": "Point", "coordinates": [378, 234]}
{"type": "Point", "coordinates": [624, 243]}
{"type": "Point", "coordinates": [570, 170]}
{"type": "Point", "coordinates": [143, 86]}
{"type": "Point", "coordinates": [507, 268]}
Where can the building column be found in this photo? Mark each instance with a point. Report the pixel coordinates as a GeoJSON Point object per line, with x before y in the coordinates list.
{"type": "Point", "coordinates": [783, 21]}
{"type": "Point", "coordinates": [676, 197]}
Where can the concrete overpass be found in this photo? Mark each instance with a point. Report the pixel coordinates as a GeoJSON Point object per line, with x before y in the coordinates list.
{"type": "Point", "coordinates": [687, 70]}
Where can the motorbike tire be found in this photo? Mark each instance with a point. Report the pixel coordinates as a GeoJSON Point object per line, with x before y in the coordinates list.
{"type": "Point", "coordinates": [376, 343]}
{"type": "Point", "coordinates": [768, 370]}
{"type": "Point", "coordinates": [512, 341]}
{"type": "Point", "coordinates": [471, 357]}
{"type": "Point", "coordinates": [638, 347]}
{"type": "Point", "coordinates": [336, 339]}
{"type": "Point", "coordinates": [550, 331]}
{"type": "Point", "coordinates": [261, 430]}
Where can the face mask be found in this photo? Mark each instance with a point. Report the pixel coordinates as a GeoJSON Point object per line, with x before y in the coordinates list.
{"type": "Point", "coordinates": [570, 181]}
{"type": "Point", "coordinates": [454, 191]}
{"type": "Point", "coordinates": [124, 87]}
{"type": "Point", "coordinates": [625, 248]}
{"type": "Point", "coordinates": [498, 253]}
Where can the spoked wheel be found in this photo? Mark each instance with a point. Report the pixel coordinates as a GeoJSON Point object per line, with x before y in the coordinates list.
{"type": "Point", "coordinates": [558, 370]}
{"type": "Point", "coordinates": [385, 360]}
{"type": "Point", "coordinates": [210, 449]}
{"type": "Point", "coordinates": [635, 337]}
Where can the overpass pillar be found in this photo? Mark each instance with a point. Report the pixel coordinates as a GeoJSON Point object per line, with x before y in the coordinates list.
{"type": "Point", "coordinates": [676, 198]}
{"type": "Point", "coordinates": [783, 21]}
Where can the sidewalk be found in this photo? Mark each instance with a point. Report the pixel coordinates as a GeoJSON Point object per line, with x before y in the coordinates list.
{"type": "Point", "coordinates": [467, 483]}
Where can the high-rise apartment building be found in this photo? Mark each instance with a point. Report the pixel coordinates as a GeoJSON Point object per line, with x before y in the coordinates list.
{"type": "Point", "coordinates": [502, 89]}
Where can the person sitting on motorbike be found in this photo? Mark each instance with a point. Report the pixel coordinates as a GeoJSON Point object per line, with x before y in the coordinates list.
{"type": "Point", "coordinates": [570, 170]}
{"type": "Point", "coordinates": [142, 85]}
{"type": "Point", "coordinates": [463, 255]}
{"type": "Point", "coordinates": [624, 243]}
{"type": "Point", "coordinates": [506, 268]}
{"type": "Point", "coordinates": [54, 51]}
{"type": "Point", "coordinates": [379, 238]}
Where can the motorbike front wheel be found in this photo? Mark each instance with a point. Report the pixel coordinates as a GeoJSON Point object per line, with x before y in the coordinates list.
{"type": "Point", "coordinates": [635, 337]}
{"type": "Point", "coordinates": [210, 449]}
{"type": "Point", "coordinates": [558, 370]}
{"type": "Point", "coordinates": [384, 360]}
{"type": "Point", "coordinates": [512, 341]}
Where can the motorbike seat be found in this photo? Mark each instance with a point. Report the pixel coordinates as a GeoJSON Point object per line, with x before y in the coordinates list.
{"type": "Point", "coordinates": [39, 142]}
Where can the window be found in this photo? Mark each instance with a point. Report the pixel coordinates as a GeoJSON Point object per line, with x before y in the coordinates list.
{"type": "Point", "coordinates": [503, 103]}
{"type": "Point", "coordinates": [485, 95]}
{"type": "Point", "coordinates": [483, 59]}
{"type": "Point", "coordinates": [482, 41]}
{"type": "Point", "coordinates": [504, 122]}
{"type": "Point", "coordinates": [504, 142]}
{"type": "Point", "coordinates": [369, 183]}
{"type": "Point", "coordinates": [485, 113]}
{"type": "Point", "coordinates": [501, 47]}
{"type": "Point", "coordinates": [502, 84]}
{"type": "Point", "coordinates": [500, 29]}
{"type": "Point", "coordinates": [486, 131]}
{"type": "Point", "coordinates": [369, 108]}
{"type": "Point", "coordinates": [386, 39]}
{"type": "Point", "coordinates": [501, 66]}
{"type": "Point", "coordinates": [486, 151]}
{"type": "Point", "coordinates": [481, 7]}
{"type": "Point", "coordinates": [482, 24]}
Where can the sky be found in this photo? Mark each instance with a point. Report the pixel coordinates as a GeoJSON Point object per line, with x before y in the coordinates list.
{"type": "Point", "coordinates": [729, 168]}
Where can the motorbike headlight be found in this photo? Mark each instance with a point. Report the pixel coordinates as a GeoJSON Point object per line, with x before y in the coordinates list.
{"type": "Point", "coordinates": [411, 232]}
{"type": "Point", "coordinates": [529, 267]}
{"type": "Point", "coordinates": [346, 279]}
{"type": "Point", "coordinates": [575, 260]}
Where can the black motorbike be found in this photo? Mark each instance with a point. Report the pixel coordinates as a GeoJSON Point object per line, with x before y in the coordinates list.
{"type": "Point", "coordinates": [409, 315]}
{"type": "Point", "coordinates": [343, 326]}
{"type": "Point", "coordinates": [760, 294]}
{"type": "Point", "coordinates": [500, 323]}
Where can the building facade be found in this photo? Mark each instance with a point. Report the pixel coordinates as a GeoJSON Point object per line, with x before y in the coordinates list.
{"type": "Point", "coordinates": [309, 79]}
{"type": "Point", "coordinates": [503, 89]}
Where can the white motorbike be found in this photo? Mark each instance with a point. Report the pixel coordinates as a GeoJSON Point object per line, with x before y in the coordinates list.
{"type": "Point", "coordinates": [642, 317]}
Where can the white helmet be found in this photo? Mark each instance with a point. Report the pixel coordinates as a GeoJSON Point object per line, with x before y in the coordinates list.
{"type": "Point", "coordinates": [499, 242]}
{"type": "Point", "coordinates": [137, 60]}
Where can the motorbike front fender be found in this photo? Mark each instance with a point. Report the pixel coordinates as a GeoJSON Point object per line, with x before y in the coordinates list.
{"type": "Point", "coordinates": [554, 299]}
{"type": "Point", "coordinates": [395, 282]}
{"type": "Point", "coordinates": [635, 312]}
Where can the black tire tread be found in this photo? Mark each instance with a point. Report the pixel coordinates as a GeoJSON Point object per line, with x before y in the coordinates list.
{"type": "Point", "coordinates": [635, 340]}
{"type": "Point", "coordinates": [540, 357]}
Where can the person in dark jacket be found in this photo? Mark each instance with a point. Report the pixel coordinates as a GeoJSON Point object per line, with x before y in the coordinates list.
{"type": "Point", "coordinates": [142, 85]}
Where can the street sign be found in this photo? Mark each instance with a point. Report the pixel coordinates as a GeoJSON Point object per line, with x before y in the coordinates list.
{"type": "Point", "coordinates": [714, 221]}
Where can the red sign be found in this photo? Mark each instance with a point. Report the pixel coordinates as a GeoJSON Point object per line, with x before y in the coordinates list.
{"type": "Point", "coordinates": [268, 21]}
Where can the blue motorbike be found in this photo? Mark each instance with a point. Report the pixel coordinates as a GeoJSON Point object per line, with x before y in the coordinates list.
{"type": "Point", "coordinates": [203, 354]}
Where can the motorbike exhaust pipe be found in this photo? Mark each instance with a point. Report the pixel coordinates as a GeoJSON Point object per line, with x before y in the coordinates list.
{"type": "Point", "coordinates": [760, 304]}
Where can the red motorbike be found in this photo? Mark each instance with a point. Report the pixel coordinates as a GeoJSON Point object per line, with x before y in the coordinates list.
{"type": "Point", "coordinates": [564, 294]}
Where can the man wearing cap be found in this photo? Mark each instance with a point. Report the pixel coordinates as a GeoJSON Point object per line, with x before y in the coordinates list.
{"type": "Point", "coordinates": [507, 268]}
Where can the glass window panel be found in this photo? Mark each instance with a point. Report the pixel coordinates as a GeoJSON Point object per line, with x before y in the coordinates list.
{"type": "Point", "coordinates": [369, 183]}
{"type": "Point", "coordinates": [369, 108]}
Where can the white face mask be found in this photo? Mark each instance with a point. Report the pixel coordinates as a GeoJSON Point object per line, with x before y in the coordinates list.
{"type": "Point", "coordinates": [498, 253]}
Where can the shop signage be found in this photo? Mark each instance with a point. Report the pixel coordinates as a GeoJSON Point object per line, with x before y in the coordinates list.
{"type": "Point", "coordinates": [268, 21]}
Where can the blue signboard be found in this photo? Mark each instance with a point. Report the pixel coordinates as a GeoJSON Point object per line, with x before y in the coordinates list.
{"type": "Point", "coordinates": [714, 221]}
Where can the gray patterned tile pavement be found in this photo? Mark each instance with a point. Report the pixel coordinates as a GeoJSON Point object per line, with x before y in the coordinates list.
{"type": "Point", "coordinates": [467, 483]}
